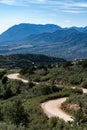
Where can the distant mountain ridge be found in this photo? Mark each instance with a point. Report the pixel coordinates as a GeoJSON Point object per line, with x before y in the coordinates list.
{"type": "Point", "coordinates": [49, 39]}
{"type": "Point", "coordinates": [20, 31]}
{"type": "Point", "coordinates": [81, 29]}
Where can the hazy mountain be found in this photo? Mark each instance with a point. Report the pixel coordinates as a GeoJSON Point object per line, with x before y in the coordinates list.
{"type": "Point", "coordinates": [23, 30]}
{"type": "Point", "coordinates": [57, 36]}
{"type": "Point", "coordinates": [67, 43]}
{"type": "Point", "coordinates": [80, 29]}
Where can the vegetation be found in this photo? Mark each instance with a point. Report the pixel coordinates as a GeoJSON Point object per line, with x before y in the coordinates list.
{"type": "Point", "coordinates": [25, 60]}
{"type": "Point", "coordinates": [20, 102]}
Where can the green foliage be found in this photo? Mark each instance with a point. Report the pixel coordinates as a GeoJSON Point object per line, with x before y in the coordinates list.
{"type": "Point", "coordinates": [27, 60]}
{"type": "Point", "coordinates": [11, 88]}
{"type": "Point", "coordinates": [27, 70]}
{"type": "Point", "coordinates": [78, 117]}
{"type": "Point", "coordinates": [80, 111]}
{"type": "Point", "coordinates": [2, 73]}
{"type": "Point", "coordinates": [67, 64]}
{"type": "Point", "coordinates": [75, 80]}
{"type": "Point", "coordinates": [84, 84]}
{"type": "Point", "coordinates": [18, 115]}
{"type": "Point", "coordinates": [53, 122]}
{"type": "Point", "coordinates": [16, 86]}
{"type": "Point", "coordinates": [45, 90]}
{"type": "Point", "coordinates": [41, 89]}
{"type": "Point", "coordinates": [31, 84]}
{"type": "Point", "coordinates": [20, 102]}
{"type": "Point", "coordinates": [9, 126]}
{"type": "Point", "coordinates": [1, 115]}
{"type": "Point", "coordinates": [7, 93]}
{"type": "Point", "coordinates": [84, 63]}
{"type": "Point", "coordinates": [4, 80]}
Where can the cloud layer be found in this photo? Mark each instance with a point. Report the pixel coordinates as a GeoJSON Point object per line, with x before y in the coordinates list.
{"type": "Point", "coordinates": [71, 6]}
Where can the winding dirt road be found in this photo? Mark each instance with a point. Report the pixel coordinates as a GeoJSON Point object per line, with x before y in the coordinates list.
{"type": "Point", "coordinates": [16, 76]}
{"type": "Point", "coordinates": [51, 108]}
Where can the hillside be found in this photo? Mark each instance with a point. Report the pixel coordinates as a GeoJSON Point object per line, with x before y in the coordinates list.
{"type": "Point", "coordinates": [20, 101]}
{"type": "Point", "coordinates": [26, 60]}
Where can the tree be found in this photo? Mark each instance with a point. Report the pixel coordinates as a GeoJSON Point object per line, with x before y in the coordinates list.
{"type": "Point", "coordinates": [46, 90]}
{"type": "Point", "coordinates": [18, 114]}
{"type": "Point", "coordinates": [81, 115]}
{"type": "Point", "coordinates": [2, 74]}
{"type": "Point", "coordinates": [31, 84]}
{"type": "Point", "coordinates": [67, 64]}
{"type": "Point", "coordinates": [7, 93]}
{"type": "Point", "coordinates": [4, 80]}
{"type": "Point", "coordinates": [84, 64]}
{"type": "Point", "coordinates": [1, 115]}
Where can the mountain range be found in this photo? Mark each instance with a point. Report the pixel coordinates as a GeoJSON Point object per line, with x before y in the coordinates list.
{"type": "Point", "coordinates": [49, 39]}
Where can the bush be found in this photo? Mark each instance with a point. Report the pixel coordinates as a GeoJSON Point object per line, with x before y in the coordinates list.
{"type": "Point", "coordinates": [53, 122]}
{"type": "Point", "coordinates": [84, 63]}
{"type": "Point", "coordinates": [42, 89]}
{"type": "Point", "coordinates": [75, 80]}
{"type": "Point", "coordinates": [9, 126]}
{"type": "Point", "coordinates": [17, 114]}
{"type": "Point", "coordinates": [67, 64]}
{"type": "Point", "coordinates": [29, 71]}
{"type": "Point", "coordinates": [7, 93]}
{"type": "Point", "coordinates": [2, 73]}
{"type": "Point", "coordinates": [84, 84]}
{"type": "Point", "coordinates": [45, 90]}
{"type": "Point", "coordinates": [4, 80]}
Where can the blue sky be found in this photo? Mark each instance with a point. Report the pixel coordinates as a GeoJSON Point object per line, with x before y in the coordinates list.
{"type": "Point", "coordinates": [64, 13]}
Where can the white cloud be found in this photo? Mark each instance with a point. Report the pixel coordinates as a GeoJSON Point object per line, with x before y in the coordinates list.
{"type": "Point", "coordinates": [22, 2]}
{"type": "Point", "coordinates": [9, 2]}
{"type": "Point", "coordinates": [40, 0]}
{"type": "Point", "coordinates": [70, 6]}
{"type": "Point", "coordinates": [82, 5]}
{"type": "Point", "coordinates": [73, 7]}
{"type": "Point", "coordinates": [35, 1]}
{"type": "Point", "coordinates": [75, 11]}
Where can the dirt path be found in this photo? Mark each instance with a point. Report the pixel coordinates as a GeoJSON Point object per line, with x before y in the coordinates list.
{"type": "Point", "coordinates": [52, 108]}
{"type": "Point", "coordinates": [83, 89]}
{"type": "Point", "coordinates": [16, 76]}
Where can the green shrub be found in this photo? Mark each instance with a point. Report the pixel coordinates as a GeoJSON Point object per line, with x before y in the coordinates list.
{"type": "Point", "coordinates": [2, 73]}
{"type": "Point", "coordinates": [4, 80]}
{"type": "Point", "coordinates": [84, 84]}
{"type": "Point", "coordinates": [75, 80]}
{"type": "Point", "coordinates": [17, 114]}
{"type": "Point", "coordinates": [9, 126]}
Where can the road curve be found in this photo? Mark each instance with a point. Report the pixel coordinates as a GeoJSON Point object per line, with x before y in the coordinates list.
{"type": "Point", "coordinates": [52, 108]}
{"type": "Point", "coordinates": [16, 76]}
